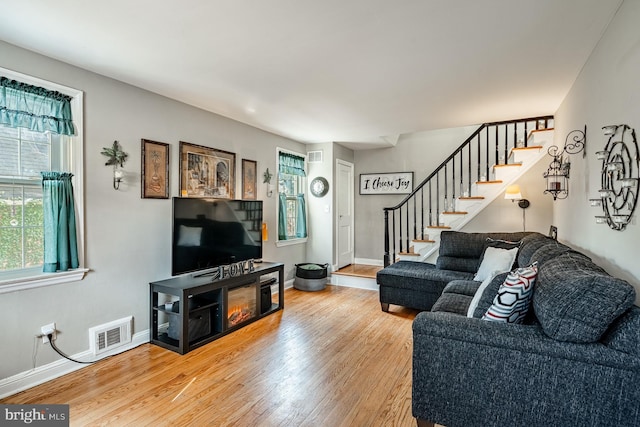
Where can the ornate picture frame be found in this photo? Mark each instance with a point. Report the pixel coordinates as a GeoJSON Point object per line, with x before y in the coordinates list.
{"type": "Point", "coordinates": [154, 169]}
{"type": "Point", "coordinates": [249, 179]}
{"type": "Point", "coordinates": [206, 172]}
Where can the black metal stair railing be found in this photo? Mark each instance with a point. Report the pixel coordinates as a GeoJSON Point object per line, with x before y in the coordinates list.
{"type": "Point", "coordinates": [471, 162]}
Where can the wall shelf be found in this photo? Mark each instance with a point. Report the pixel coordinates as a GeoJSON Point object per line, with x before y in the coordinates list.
{"type": "Point", "coordinates": [619, 177]}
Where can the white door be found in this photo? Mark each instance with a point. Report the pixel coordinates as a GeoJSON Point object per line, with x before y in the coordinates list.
{"type": "Point", "coordinates": [344, 213]}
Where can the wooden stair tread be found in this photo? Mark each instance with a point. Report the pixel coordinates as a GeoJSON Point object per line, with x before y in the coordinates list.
{"type": "Point", "coordinates": [471, 198]}
{"type": "Point", "coordinates": [455, 213]}
{"type": "Point", "coordinates": [539, 130]}
{"type": "Point", "coordinates": [531, 147]}
{"type": "Point", "coordinates": [443, 227]}
{"type": "Point", "coordinates": [423, 241]}
{"type": "Point", "coordinates": [507, 165]}
{"type": "Point", "coordinates": [408, 253]}
{"type": "Point", "coordinates": [489, 182]}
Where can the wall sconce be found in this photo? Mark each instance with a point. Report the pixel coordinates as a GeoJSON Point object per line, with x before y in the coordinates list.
{"type": "Point", "coordinates": [117, 177]}
{"type": "Point", "coordinates": [513, 193]}
{"type": "Point", "coordinates": [267, 180]}
{"type": "Point", "coordinates": [116, 157]}
{"type": "Point", "coordinates": [557, 176]}
{"type": "Point", "coordinates": [619, 177]}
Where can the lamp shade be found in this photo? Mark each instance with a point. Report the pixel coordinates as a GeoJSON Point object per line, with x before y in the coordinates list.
{"type": "Point", "coordinates": [513, 193]}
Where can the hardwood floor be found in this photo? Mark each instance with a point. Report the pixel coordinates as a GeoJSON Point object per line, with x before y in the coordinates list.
{"type": "Point", "coordinates": [331, 358]}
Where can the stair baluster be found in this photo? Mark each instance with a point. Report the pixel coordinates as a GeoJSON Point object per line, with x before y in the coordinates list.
{"type": "Point", "coordinates": [478, 148]}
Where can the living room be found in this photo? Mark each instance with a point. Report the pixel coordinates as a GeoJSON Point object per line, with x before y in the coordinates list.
{"type": "Point", "coordinates": [127, 239]}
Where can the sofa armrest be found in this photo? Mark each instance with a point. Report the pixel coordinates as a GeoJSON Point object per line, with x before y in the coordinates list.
{"type": "Point", "coordinates": [470, 372]}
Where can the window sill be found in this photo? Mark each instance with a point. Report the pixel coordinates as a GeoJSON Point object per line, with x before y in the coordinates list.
{"type": "Point", "coordinates": [41, 280]}
{"type": "Point", "coordinates": [281, 243]}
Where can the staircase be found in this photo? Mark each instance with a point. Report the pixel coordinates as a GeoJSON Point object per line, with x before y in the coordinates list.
{"type": "Point", "coordinates": [477, 172]}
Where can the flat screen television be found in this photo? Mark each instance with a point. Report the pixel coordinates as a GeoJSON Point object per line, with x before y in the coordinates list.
{"type": "Point", "coordinates": [212, 232]}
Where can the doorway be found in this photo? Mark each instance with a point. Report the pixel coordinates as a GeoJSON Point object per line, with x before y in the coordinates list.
{"type": "Point", "coordinates": [344, 213]}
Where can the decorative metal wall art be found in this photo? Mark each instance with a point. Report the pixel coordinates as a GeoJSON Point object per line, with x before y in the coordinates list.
{"type": "Point", "coordinates": [619, 177]}
{"type": "Point", "coordinates": [557, 176]}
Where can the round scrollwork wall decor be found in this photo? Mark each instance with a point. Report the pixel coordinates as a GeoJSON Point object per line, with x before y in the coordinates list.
{"type": "Point", "coordinates": [619, 176]}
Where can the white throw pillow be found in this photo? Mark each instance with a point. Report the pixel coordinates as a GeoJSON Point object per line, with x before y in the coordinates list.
{"type": "Point", "coordinates": [479, 292]}
{"type": "Point", "coordinates": [189, 236]}
{"type": "Point", "coordinates": [495, 259]}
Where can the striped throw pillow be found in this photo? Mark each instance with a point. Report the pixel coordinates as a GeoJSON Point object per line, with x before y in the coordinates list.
{"type": "Point", "coordinates": [512, 302]}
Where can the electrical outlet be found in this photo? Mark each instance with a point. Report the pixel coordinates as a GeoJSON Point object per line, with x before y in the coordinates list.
{"type": "Point", "coordinates": [46, 330]}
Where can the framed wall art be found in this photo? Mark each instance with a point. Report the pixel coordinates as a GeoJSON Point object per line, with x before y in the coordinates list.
{"type": "Point", "coordinates": [249, 179]}
{"type": "Point", "coordinates": [386, 183]}
{"type": "Point", "coordinates": [206, 172]}
{"type": "Point", "coordinates": [155, 169]}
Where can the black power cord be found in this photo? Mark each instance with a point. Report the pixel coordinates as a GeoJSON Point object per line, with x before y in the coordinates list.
{"type": "Point", "coordinates": [53, 346]}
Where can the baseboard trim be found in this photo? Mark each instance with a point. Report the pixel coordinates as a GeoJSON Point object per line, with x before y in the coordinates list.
{"type": "Point", "coordinates": [369, 261]}
{"type": "Point", "coordinates": [25, 380]}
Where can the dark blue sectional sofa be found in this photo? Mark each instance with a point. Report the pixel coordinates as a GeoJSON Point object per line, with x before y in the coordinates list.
{"type": "Point", "coordinates": [574, 362]}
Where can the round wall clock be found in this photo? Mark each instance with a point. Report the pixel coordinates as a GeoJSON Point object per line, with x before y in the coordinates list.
{"type": "Point", "coordinates": [319, 187]}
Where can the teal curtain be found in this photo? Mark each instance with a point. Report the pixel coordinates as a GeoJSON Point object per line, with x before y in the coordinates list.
{"type": "Point", "coordinates": [301, 217]}
{"type": "Point", "coordinates": [34, 108]}
{"type": "Point", "coordinates": [60, 240]}
{"type": "Point", "coordinates": [282, 217]}
{"type": "Point", "coordinates": [291, 164]}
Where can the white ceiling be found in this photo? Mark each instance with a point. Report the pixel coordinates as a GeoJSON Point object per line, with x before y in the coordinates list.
{"type": "Point", "coordinates": [350, 71]}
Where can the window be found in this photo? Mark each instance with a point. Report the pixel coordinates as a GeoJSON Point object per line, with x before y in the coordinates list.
{"type": "Point", "coordinates": [292, 216]}
{"type": "Point", "coordinates": [26, 153]}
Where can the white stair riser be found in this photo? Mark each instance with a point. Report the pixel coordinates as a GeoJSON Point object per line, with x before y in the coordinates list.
{"type": "Point", "coordinates": [421, 247]}
{"type": "Point", "coordinates": [506, 173]}
{"type": "Point", "coordinates": [469, 205]}
{"type": "Point", "coordinates": [523, 156]}
{"type": "Point", "coordinates": [451, 220]}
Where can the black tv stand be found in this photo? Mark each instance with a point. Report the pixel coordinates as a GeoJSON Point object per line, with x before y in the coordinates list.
{"type": "Point", "coordinates": [202, 309]}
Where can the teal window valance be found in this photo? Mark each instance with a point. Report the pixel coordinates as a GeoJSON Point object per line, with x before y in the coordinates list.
{"type": "Point", "coordinates": [34, 108]}
{"type": "Point", "coordinates": [291, 164]}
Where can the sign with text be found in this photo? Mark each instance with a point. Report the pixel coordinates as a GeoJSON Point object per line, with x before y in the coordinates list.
{"type": "Point", "coordinates": [386, 183]}
{"type": "Point", "coordinates": [35, 415]}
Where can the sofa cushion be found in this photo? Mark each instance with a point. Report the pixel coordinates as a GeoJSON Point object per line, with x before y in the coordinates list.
{"type": "Point", "coordinates": [624, 333]}
{"type": "Point", "coordinates": [530, 244]}
{"type": "Point", "coordinates": [463, 287]}
{"type": "Point", "coordinates": [452, 303]}
{"type": "Point", "coordinates": [462, 251]}
{"type": "Point", "coordinates": [576, 301]}
{"type": "Point", "coordinates": [511, 304]}
{"type": "Point", "coordinates": [486, 297]}
{"type": "Point", "coordinates": [468, 265]}
{"type": "Point", "coordinates": [417, 275]}
{"type": "Point", "coordinates": [549, 252]}
{"type": "Point", "coordinates": [479, 293]}
{"type": "Point", "coordinates": [495, 259]}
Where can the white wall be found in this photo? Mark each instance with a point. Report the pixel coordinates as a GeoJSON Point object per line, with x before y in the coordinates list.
{"type": "Point", "coordinates": [127, 238]}
{"type": "Point", "coordinates": [606, 92]}
{"type": "Point", "coordinates": [321, 247]}
{"type": "Point", "coordinates": [320, 244]}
